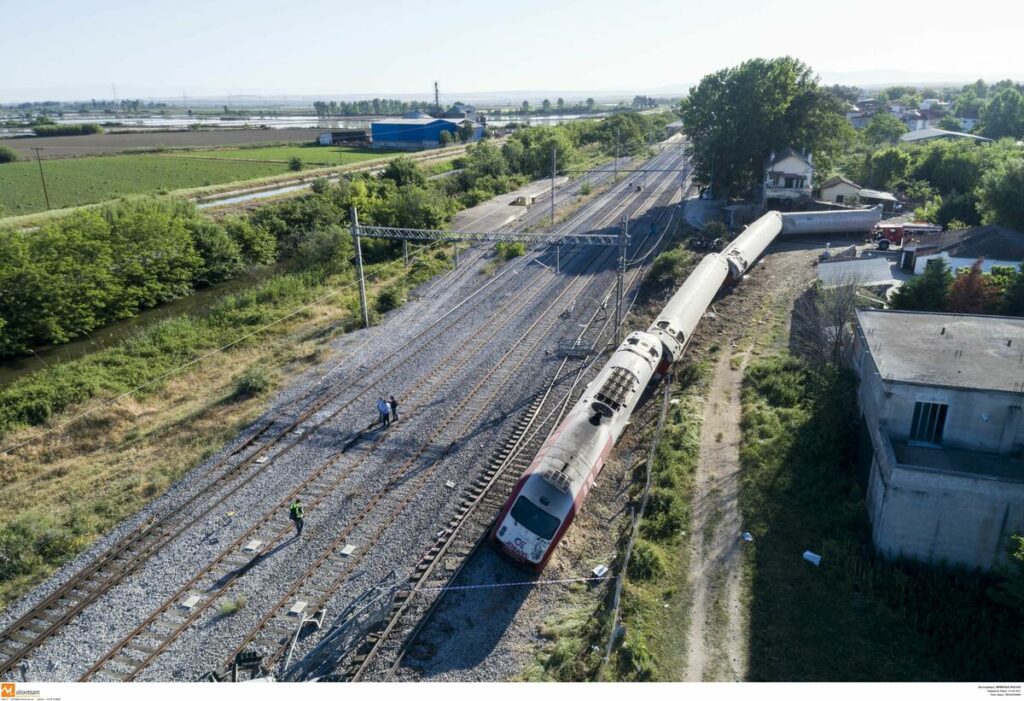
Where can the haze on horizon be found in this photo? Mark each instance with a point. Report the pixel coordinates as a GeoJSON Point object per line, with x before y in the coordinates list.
{"type": "Point", "coordinates": [57, 50]}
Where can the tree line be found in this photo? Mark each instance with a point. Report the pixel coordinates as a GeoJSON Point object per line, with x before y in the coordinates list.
{"type": "Point", "coordinates": [370, 107]}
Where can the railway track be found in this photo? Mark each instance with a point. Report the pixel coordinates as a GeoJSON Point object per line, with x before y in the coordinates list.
{"type": "Point", "coordinates": [381, 653]}
{"type": "Point", "coordinates": [148, 641]}
{"type": "Point", "coordinates": [234, 471]}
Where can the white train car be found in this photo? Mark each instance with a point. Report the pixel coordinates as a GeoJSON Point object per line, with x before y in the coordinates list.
{"type": "Point", "coordinates": [552, 490]}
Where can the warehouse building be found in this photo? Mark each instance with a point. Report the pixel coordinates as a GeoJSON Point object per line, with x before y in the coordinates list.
{"type": "Point", "coordinates": [417, 134]}
{"type": "Point", "coordinates": [941, 399]}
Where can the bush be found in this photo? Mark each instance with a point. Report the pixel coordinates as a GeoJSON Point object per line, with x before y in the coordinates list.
{"type": "Point", "coordinates": [67, 129]}
{"type": "Point", "coordinates": [252, 382]}
{"type": "Point", "coordinates": [586, 189]}
{"type": "Point", "coordinates": [646, 562]}
{"type": "Point", "coordinates": [389, 298]}
{"type": "Point", "coordinates": [232, 606]}
{"type": "Point", "coordinates": [8, 155]}
{"type": "Point", "coordinates": [507, 250]}
{"type": "Point", "coordinates": [295, 163]}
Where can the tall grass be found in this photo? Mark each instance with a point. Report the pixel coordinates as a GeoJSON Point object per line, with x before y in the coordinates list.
{"type": "Point", "coordinates": [856, 617]}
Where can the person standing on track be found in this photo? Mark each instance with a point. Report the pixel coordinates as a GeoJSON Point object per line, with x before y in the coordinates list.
{"type": "Point", "coordinates": [394, 408]}
{"type": "Point", "coordinates": [384, 409]}
{"type": "Point", "coordinates": [296, 515]}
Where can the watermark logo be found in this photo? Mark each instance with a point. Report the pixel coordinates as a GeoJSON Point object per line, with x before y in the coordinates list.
{"type": "Point", "coordinates": [7, 690]}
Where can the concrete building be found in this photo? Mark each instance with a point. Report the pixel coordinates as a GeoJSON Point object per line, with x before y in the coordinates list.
{"type": "Point", "coordinates": [787, 179]}
{"type": "Point", "coordinates": [956, 263]}
{"type": "Point", "coordinates": [840, 190]}
{"type": "Point", "coordinates": [416, 134]}
{"type": "Point", "coordinates": [941, 399]}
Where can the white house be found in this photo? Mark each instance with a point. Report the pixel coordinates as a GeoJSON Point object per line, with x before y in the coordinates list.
{"type": "Point", "coordinates": [840, 190]}
{"type": "Point", "coordinates": [787, 177]}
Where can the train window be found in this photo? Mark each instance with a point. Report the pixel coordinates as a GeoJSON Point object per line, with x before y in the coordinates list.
{"type": "Point", "coordinates": [534, 519]}
{"type": "Point", "coordinates": [632, 341]}
{"type": "Point", "coordinates": [654, 353]}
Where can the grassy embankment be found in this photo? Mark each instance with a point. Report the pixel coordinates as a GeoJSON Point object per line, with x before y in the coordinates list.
{"type": "Point", "coordinates": [76, 484]}
{"type": "Point", "coordinates": [856, 617]}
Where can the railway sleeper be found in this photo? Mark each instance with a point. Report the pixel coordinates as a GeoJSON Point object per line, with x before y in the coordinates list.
{"type": "Point", "coordinates": [124, 661]}
{"type": "Point", "coordinates": [22, 637]}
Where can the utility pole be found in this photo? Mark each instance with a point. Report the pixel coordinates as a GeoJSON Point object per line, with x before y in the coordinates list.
{"type": "Point", "coordinates": [623, 243]}
{"type": "Point", "coordinates": [359, 269]}
{"type": "Point", "coordinates": [616, 179]}
{"type": "Point", "coordinates": [437, 99]}
{"type": "Point", "coordinates": [552, 187]}
{"type": "Point", "coordinates": [39, 160]}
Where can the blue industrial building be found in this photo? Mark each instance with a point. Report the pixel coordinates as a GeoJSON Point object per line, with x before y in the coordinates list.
{"type": "Point", "coordinates": [416, 134]}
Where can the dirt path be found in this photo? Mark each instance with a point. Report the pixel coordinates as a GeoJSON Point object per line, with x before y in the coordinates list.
{"type": "Point", "coordinates": [717, 649]}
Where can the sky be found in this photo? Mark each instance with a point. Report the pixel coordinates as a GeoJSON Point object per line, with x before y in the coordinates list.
{"type": "Point", "coordinates": [102, 48]}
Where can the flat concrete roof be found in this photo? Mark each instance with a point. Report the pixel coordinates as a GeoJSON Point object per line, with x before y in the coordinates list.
{"type": "Point", "coordinates": [499, 211]}
{"type": "Point", "coordinates": [948, 350]}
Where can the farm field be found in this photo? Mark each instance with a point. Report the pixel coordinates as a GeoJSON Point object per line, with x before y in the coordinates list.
{"type": "Point", "coordinates": [78, 181]}
{"type": "Point", "coordinates": [312, 155]}
{"type": "Point", "coordinates": [110, 143]}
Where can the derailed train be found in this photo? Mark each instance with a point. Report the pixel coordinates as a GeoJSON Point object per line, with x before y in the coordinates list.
{"type": "Point", "coordinates": [552, 490]}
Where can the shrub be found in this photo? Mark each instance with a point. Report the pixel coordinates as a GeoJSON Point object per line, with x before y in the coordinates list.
{"type": "Point", "coordinates": [507, 250]}
{"type": "Point", "coordinates": [389, 298]}
{"type": "Point", "coordinates": [646, 562]}
{"type": "Point", "coordinates": [295, 163]}
{"type": "Point", "coordinates": [232, 606]}
{"type": "Point", "coordinates": [7, 154]}
{"type": "Point", "coordinates": [67, 129]}
{"type": "Point", "coordinates": [586, 189]}
{"type": "Point", "coordinates": [252, 382]}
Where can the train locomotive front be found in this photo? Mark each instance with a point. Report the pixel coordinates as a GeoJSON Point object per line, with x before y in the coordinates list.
{"type": "Point", "coordinates": [548, 495]}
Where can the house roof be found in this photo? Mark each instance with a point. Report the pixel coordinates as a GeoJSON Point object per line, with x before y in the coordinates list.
{"type": "Point", "coordinates": [876, 195]}
{"type": "Point", "coordinates": [933, 133]}
{"type": "Point", "coordinates": [784, 153]}
{"type": "Point", "coordinates": [990, 241]}
{"type": "Point", "coordinates": [836, 180]}
{"type": "Point", "coordinates": [965, 351]}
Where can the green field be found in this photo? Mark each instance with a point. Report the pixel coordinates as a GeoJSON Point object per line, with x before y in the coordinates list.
{"type": "Point", "coordinates": [311, 155]}
{"type": "Point", "coordinates": [77, 181]}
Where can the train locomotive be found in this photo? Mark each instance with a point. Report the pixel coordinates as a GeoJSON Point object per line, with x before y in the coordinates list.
{"type": "Point", "coordinates": [552, 490]}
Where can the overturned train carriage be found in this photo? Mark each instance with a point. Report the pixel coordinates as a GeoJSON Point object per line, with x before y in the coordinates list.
{"type": "Point", "coordinates": [552, 490]}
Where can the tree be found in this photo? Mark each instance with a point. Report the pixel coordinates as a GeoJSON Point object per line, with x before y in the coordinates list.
{"type": "Point", "coordinates": [736, 116]}
{"type": "Point", "coordinates": [545, 106]}
{"type": "Point", "coordinates": [1000, 195]}
{"type": "Point", "coordinates": [1013, 298]}
{"type": "Point", "coordinates": [446, 138]}
{"type": "Point", "coordinates": [590, 104]}
{"type": "Point", "coordinates": [526, 107]}
{"type": "Point", "coordinates": [561, 104]}
{"type": "Point", "coordinates": [973, 293]}
{"type": "Point", "coordinates": [7, 154]}
{"type": "Point", "coordinates": [927, 292]}
{"type": "Point", "coordinates": [968, 106]}
{"type": "Point", "coordinates": [256, 243]}
{"type": "Point", "coordinates": [1003, 115]}
{"type": "Point", "coordinates": [950, 123]}
{"type": "Point", "coordinates": [466, 131]}
{"type": "Point", "coordinates": [295, 163]}
{"type": "Point", "coordinates": [821, 321]}
{"type": "Point", "coordinates": [887, 167]}
{"type": "Point", "coordinates": [222, 256]}
{"type": "Point", "coordinates": [884, 128]}
{"type": "Point", "coordinates": [404, 171]}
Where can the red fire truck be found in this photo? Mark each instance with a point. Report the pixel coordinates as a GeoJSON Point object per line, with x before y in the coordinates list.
{"type": "Point", "coordinates": [888, 234]}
